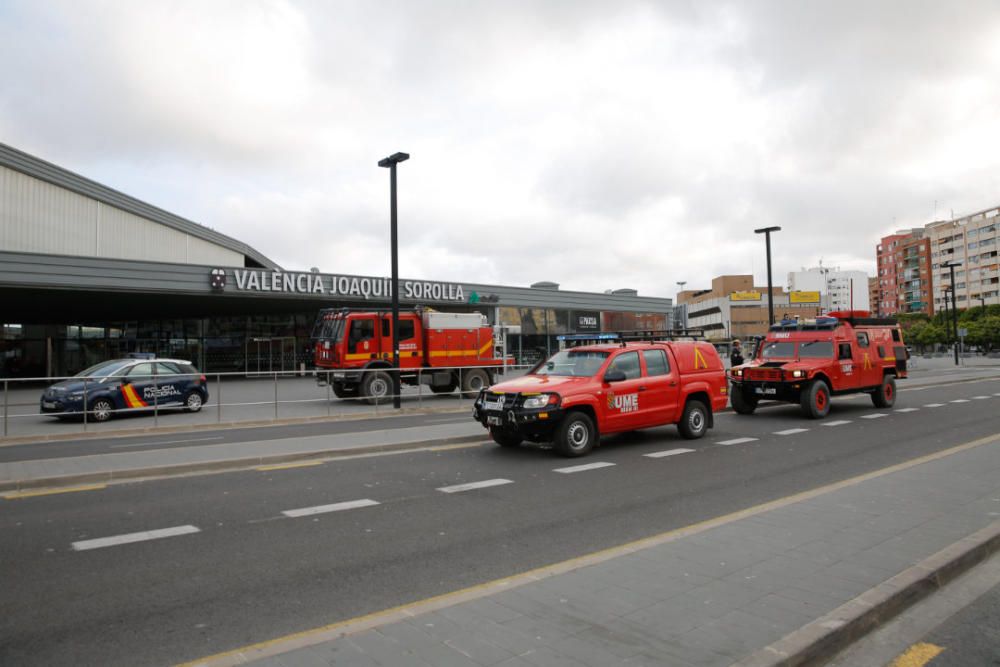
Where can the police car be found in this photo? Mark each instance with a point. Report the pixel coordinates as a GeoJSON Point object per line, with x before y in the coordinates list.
{"type": "Point", "coordinates": [117, 385]}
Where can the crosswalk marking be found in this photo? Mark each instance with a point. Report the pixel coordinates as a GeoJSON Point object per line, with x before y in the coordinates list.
{"type": "Point", "coordinates": [586, 466]}
{"type": "Point", "coordinates": [736, 441]}
{"type": "Point", "coordinates": [791, 431]}
{"type": "Point", "coordinates": [839, 422]}
{"type": "Point", "coordinates": [129, 538]}
{"type": "Point", "coordinates": [335, 507]}
{"type": "Point", "coordinates": [875, 415]}
{"type": "Point", "coordinates": [668, 452]}
{"type": "Point", "coordinates": [907, 409]}
{"type": "Point", "coordinates": [458, 488]}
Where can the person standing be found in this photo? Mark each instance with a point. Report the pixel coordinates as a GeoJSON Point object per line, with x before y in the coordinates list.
{"type": "Point", "coordinates": [736, 355]}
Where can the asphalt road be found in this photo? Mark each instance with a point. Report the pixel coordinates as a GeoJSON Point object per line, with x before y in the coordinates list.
{"type": "Point", "coordinates": [970, 637]}
{"type": "Point", "coordinates": [241, 571]}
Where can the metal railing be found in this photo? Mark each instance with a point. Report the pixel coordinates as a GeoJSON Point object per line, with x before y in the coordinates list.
{"type": "Point", "coordinates": [259, 397]}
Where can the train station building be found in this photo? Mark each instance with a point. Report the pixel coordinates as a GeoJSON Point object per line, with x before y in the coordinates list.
{"type": "Point", "coordinates": [89, 273]}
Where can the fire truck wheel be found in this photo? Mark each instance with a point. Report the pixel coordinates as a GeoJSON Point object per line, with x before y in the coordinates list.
{"type": "Point", "coordinates": [444, 388]}
{"type": "Point", "coordinates": [742, 404]}
{"type": "Point", "coordinates": [340, 390]}
{"type": "Point", "coordinates": [816, 400]}
{"type": "Point", "coordinates": [885, 395]}
{"type": "Point", "coordinates": [377, 387]}
{"type": "Point", "coordinates": [576, 435]}
{"type": "Point", "coordinates": [505, 438]}
{"type": "Point", "coordinates": [694, 421]}
{"type": "Point", "coordinates": [473, 381]}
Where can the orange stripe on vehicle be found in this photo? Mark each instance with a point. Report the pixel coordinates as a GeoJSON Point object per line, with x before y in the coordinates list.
{"type": "Point", "coordinates": [131, 398]}
{"type": "Point", "coordinates": [485, 347]}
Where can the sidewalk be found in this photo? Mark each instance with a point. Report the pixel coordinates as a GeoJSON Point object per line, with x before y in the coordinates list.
{"type": "Point", "coordinates": [781, 583]}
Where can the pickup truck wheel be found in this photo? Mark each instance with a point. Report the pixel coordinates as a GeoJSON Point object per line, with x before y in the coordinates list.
{"type": "Point", "coordinates": [473, 381]}
{"type": "Point", "coordinates": [816, 400]}
{"type": "Point", "coordinates": [742, 404]}
{"type": "Point", "coordinates": [694, 421]}
{"type": "Point", "coordinates": [505, 438]}
{"type": "Point", "coordinates": [377, 387]}
{"type": "Point", "coordinates": [340, 390]}
{"type": "Point", "coordinates": [576, 435]}
{"type": "Point", "coordinates": [885, 395]}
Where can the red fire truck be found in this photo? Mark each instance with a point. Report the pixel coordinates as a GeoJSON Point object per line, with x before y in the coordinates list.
{"type": "Point", "coordinates": [808, 361]}
{"type": "Point", "coordinates": [442, 350]}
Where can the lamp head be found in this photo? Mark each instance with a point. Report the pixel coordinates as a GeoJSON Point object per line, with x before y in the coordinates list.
{"type": "Point", "coordinates": [764, 230]}
{"type": "Point", "coordinates": [395, 158]}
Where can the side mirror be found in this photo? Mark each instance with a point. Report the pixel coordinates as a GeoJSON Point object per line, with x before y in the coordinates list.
{"type": "Point", "coordinates": [614, 375]}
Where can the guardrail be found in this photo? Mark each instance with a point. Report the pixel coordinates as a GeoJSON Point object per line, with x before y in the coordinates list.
{"type": "Point", "coordinates": [251, 397]}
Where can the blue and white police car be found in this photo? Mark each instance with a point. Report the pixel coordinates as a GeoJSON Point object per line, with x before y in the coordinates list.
{"type": "Point", "coordinates": [143, 383]}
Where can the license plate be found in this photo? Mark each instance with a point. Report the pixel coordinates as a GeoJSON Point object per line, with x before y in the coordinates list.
{"type": "Point", "coordinates": [766, 391]}
{"type": "Point", "coordinates": [494, 421]}
{"type": "Point", "coordinates": [48, 404]}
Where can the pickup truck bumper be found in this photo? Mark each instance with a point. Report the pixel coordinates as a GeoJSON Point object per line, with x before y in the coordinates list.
{"type": "Point", "coordinates": [505, 412]}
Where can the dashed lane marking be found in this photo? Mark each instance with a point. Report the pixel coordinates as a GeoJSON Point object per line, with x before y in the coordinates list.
{"type": "Point", "coordinates": [129, 538]}
{"type": "Point", "coordinates": [586, 466]}
{"type": "Point", "coordinates": [934, 405]}
{"type": "Point", "coordinates": [979, 398]}
{"type": "Point", "coordinates": [875, 415]}
{"type": "Point", "coordinates": [917, 655]}
{"type": "Point", "coordinates": [286, 466]}
{"type": "Point", "coordinates": [17, 495]}
{"type": "Point", "coordinates": [668, 452]}
{"type": "Point", "coordinates": [335, 507]}
{"type": "Point", "coordinates": [839, 422]}
{"type": "Point", "coordinates": [907, 409]}
{"type": "Point", "coordinates": [458, 488]}
{"type": "Point", "coordinates": [960, 400]}
{"type": "Point", "coordinates": [736, 441]}
{"type": "Point", "coordinates": [791, 431]}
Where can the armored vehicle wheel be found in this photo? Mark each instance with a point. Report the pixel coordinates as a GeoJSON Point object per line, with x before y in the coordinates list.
{"type": "Point", "coordinates": [474, 380]}
{"type": "Point", "coordinates": [576, 435]}
{"type": "Point", "coordinates": [816, 400]}
{"type": "Point", "coordinates": [694, 421]}
{"type": "Point", "coordinates": [101, 410]}
{"type": "Point", "coordinates": [192, 402]}
{"type": "Point", "coordinates": [505, 438]}
{"type": "Point", "coordinates": [742, 404]}
{"type": "Point", "coordinates": [377, 387]}
{"type": "Point", "coordinates": [340, 390]}
{"type": "Point", "coordinates": [885, 395]}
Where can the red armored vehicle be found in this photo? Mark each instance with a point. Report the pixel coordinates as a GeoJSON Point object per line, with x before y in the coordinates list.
{"type": "Point", "coordinates": [584, 392]}
{"type": "Point", "coordinates": [442, 350]}
{"type": "Point", "coordinates": [808, 361]}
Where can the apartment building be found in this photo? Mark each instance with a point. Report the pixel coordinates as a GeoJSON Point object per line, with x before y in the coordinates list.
{"type": "Point", "coordinates": [905, 279]}
{"type": "Point", "coordinates": [847, 290]}
{"type": "Point", "coordinates": [972, 243]}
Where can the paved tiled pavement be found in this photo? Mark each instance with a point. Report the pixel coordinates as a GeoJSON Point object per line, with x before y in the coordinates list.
{"type": "Point", "coordinates": [709, 595]}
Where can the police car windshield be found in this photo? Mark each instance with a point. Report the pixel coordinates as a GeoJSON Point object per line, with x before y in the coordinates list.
{"type": "Point", "coordinates": [103, 369]}
{"type": "Point", "coordinates": [784, 350]}
{"type": "Point", "coordinates": [817, 349]}
{"type": "Point", "coordinates": [572, 363]}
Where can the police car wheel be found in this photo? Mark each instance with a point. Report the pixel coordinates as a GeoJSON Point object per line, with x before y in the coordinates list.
{"type": "Point", "coordinates": [505, 438]}
{"type": "Point", "coordinates": [101, 410]}
{"type": "Point", "coordinates": [694, 421]}
{"type": "Point", "coordinates": [576, 435]}
{"type": "Point", "coordinates": [885, 395]}
{"type": "Point", "coordinates": [815, 400]}
{"type": "Point", "coordinates": [193, 402]}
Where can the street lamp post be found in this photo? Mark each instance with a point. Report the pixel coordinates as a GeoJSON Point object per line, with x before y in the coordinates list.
{"type": "Point", "coordinates": [390, 163]}
{"type": "Point", "coordinates": [766, 231]}
{"type": "Point", "coordinates": [954, 313]}
{"type": "Point", "coordinates": [680, 288]}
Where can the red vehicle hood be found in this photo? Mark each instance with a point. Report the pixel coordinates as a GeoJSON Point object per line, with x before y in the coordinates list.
{"type": "Point", "coordinates": [542, 383]}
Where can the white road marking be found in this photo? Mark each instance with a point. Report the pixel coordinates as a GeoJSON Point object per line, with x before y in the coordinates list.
{"type": "Point", "coordinates": [934, 405]}
{"type": "Point", "coordinates": [839, 422]}
{"type": "Point", "coordinates": [997, 394]}
{"type": "Point", "coordinates": [907, 409]}
{"type": "Point", "coordinates": [736, 441]}
{"type": "Point", "coordinates": [960, 400]}
{"type": "Point", "coordinates": [586, 466]}
{"type": "Point", "coordinates": [791, 431]}
{"type": "Point", "coordinates": [979, 398]}
{"type": "Point", "coordinates": [875, 415]}
{"type": "Point", "coordinates": [668, 452]}
{"type": "Point", "coordinates": [129, 538]}
{"type": "Point", "coordinates": [474, 485]}
{"type": "Point", "coordinates": [335, 507]}
{"type": "Point", "coordinates": [164, 442]}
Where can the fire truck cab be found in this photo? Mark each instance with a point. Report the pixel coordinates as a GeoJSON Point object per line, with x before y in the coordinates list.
{"type": "Point", "coordinates": [808, 361]}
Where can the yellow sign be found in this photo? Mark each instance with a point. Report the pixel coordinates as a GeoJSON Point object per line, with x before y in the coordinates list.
{"type": "Point", "coordinates": [803, 297]}
{"type": "Point", "coordinates": [699, 360]}
{"type": "Point", "coordinates": [744, 296]}
{"type": "Point", "coordinates": [868, 362]}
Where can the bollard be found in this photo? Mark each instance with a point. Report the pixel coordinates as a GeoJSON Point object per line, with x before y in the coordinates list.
{"type": "Point", "coordinates": [6, 402]}
{"type": "Point", "coordinates": [420, 389]}
{"type": "Point", "coordinates": [328, 399]}
{"type": "Point", "coordinates": [218, 398]}
{"type": "Point", "coordinates": [276, 396]}
{"type": "Point", "coordinates": [156, 402]}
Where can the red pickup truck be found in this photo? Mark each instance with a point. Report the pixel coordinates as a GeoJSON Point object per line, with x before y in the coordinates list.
{"type": "Point", "coordinates": [582, 393]}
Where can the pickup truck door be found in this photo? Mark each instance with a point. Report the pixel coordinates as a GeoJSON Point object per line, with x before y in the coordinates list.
{"type": "Point", "coordinates": [625, 401]}
{"type": "Point", "coordinates": [658, 404]}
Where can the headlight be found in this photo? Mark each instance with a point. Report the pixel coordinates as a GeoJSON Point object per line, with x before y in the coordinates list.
{"type": "Point", "coordinates": [76, 395]}
{"type": "Point", "coordinates": [798, 374]}
{"type": "Point", "coordinates": [541, 400]}
{"type": "Point", "coordinates": [738, 372]}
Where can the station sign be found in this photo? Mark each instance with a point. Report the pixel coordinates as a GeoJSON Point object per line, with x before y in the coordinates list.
{"type": "Point", "coordinates": [265, 281]}
{"type": "Point", "coordinates": [803, 297]}
{"type": "Point", "coordinates": [744, 296]}
{"type": "Point", "coordinates": [587, 321]}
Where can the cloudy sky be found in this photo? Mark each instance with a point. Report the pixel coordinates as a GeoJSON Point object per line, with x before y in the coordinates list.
{"type": "Point", "coordinates": [595, 144]}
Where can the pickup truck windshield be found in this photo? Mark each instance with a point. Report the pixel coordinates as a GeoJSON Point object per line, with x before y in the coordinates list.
{"type": "Point", "coordinates": [572, 363]}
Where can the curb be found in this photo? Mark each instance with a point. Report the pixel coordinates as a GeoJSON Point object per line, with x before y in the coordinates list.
{"type": "Point", "coordinates": [815, 643]}
{"type": "Point", "coordinates": [224, 465]}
